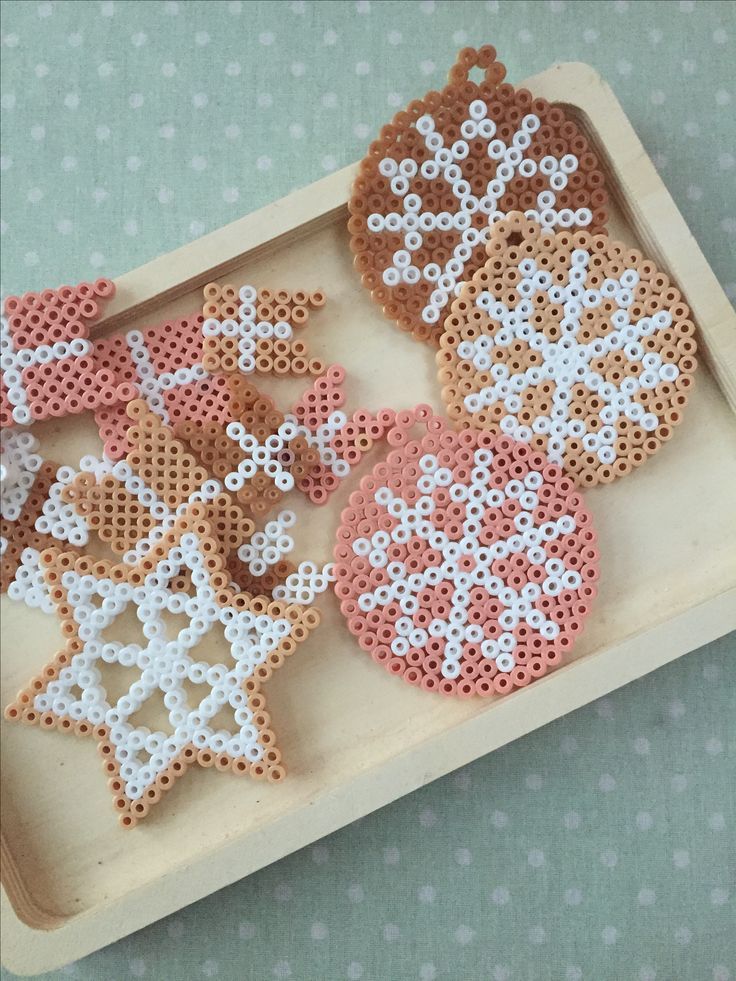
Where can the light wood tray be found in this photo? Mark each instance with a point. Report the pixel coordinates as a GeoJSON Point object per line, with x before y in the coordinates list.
{"type": "Point", "coordinates": [353, 737]}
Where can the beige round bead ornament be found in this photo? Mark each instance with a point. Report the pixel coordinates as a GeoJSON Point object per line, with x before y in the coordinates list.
{"type": "Point", "coordinates": [445, 169]}
{"type": "Point", "coordinates": [571, 342]}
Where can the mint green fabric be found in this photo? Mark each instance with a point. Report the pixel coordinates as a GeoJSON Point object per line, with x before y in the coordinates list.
{"type": "Point", "coordinates": [599, 848]}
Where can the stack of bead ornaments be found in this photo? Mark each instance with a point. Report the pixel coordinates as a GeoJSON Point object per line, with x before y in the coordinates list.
{"type": "Point", "coordinates": [445, 169]}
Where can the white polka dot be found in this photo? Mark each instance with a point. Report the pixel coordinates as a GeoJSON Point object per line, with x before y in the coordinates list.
{"type": "Point", "coordinates": [720, 36]}
{"type": "Point", "coordinates": [604, 709]}
{"type": "Point", "coordinates": [139, 39]}
{"type": "Point", "coordinates": [501, 972]}
{"type": "Point", "coordinates": [683, 936]}
{"type": "Point", "coordinates": [45, 9]}
{"type": "Point", "coordinates": [202, 38]}
{"type": "Point", "coordinates": [568, 745]}
{"type": "Point", "coordinates": [233, 69]}
{"type": "Point", "coordinates": [646, 897]}
{"type": "Point", "coordinates": [232, 132]}
{"type": "Point", "coordinates": [246, 931]}
{"type": "Point", "coordinates": [105, 69]}
{"type": "Point", "coordinates": [265, 100]}
{"type": "Point", "coordinates": [426, 894]}
{"type": "Point", "coordinates": [362, 68]}
{"type": "Point", "coordinates": [391, 855]}
{"type": "Point", "coordinates": [714, 746]}
{"type": "Point", "coordinates": [41, 70]}
{"type": "Point", "coordinates": [572, 820]}
{"type": "Point", "coordinates": [198, 163]}
{"type": "Point", "coordinates": [355, 971]}
{"type": "Point", "coordinates": [363, 6]}
{"type": "Point", "coordinates": [100, 194]}
{"type": "Point", "coordinates": [107, 8]}
{"type": "Point", "coordinates": [133, 163]}
{"type": "Point", "coordinates": [464, 934]}
{"type": "Point", "coordinates": [71, 100]}
{"type": "Point", "coordinates": [500, 895]}
{"type": "Point", "coordinates": [463, 856]}
{"type": "Point", "coordinates": [168, 69]}
{"type": "Point", "coordinates": [266, 38]}
{"type": "Point", "coordinates": [647, 974]}
{"type": "Point", "coordinates": [265, 163]}
{"type": "Point", "coordinates": [534, 781]}
{"type": "Point", "coordinates": [689, 66]}
{"type": "Point", "coordinates": [660, 160]}
{"type": "Point", "coordinates": [391, 932]}
{"type": "Point", "coordinates": [136, 100]}
{"type": "Point", "coordinates": [590, 36]}
{"type": "Point", "coordinates": [463, 780]}
{"type": "Point", "coordinates": [655, 36]}
{"type": "Point", "coordinates": [428, 819]}
{"type": "Point", "coordinates": [298, 69]}
{"type": "Point", "coordinates": [691, 128]}
{"type": "Point", "coordinates": [38, 132]}
{"type": "Point", "coordinates": [175, 929]}
{"type": "Point", "coordinates": [609, 935]}
{"type": "Point", "coordinates": [694, 192]}
{"type": "Point", "coordinates": [319, 931]}
{"type": "Point", "coordinates": [329, 38]}
{"type": "Point", "coordinates": [282, 969]}
{"type": "Point", "coordinates": [641, 746]}
{"type": "Point", "coordinates": [171, 7]}
{"type": "Point", "coordinates": [681, 858]}
{"type": "Point", "coordinates": [355, 893]}
{"type": "Point", "coordinates": [712, 672]}
{"type": "Point", "coordinates": [200, 100]}
{"type": "Point", "coordinates": [3, 226]}
{"type": "Point", "coordinates": [296, 131]}
{"type": "Point", "coordinates": [728, 225]}
{"type": "Point", "coordinates": [329, 100]}
{"type": "Point", "coordinates": [31, 258]}
{"type": "Point", "coordinates": [718, 896]}
{"type": "Point", "coordinates": [283, 892]}
{"type": "Point", "coordinates": [167, 131]}
{"type": "Point", "coordinates": [130, 227]}
{"type": "Point", "coordinates": [196, 228]}
{"type": "Point", "coordinates": [644, 821]}
{"type": "Point", "coordinates": [427, 972]}
{"type": "Point", "coordinates": [687, 6]}
{"type": "Point", "coordinates": [607, 783]}
{"type": "Point", "coordinates": [658, 97]}
{"type": "Point", "coordinates": [621, 6]}
{"type": "Point", "coordinates": [235, 7]}
{"type": "Point", "coordinates": [395, 37]}
{"type": "Point", "coordinates": [460, 38]}
{"type": "Point", "coordinates": [499, 819]}
{"type": "Point", "coordinates": [623, 67]}
{"type": "Point", "coordinates": [394, 99]}
{"type": "Point", "coordinates": [11, 40]}
{"type": "Point", "coordinates": [678, 783]}
{"type": "Point", "coordinates": [427, 67]}
{"type": "Point", "coordinates": [609, 858]}
{"type": "Point", "coordinates": [535, 858]}
{"type": "Point", "coordinates": [210, 968]}
{"type": "Point", "coordinates": [75, 39]}
{"type": "Point", "coordinates": [6, 163]}
{"type": "Point", "coordinates": [329, 162]}
{"type": "Point", "coordinates": [137, 967]}
{"type": "Point", "coordinates": [573, 896]}
{"type": "Point", "coordinates": [165, 195]}
{"type": "Point", "coordinates": [427, 6]}
{"type": "Point", "coordinates": [721, 973]}
{"type": "Point", "coordinates": [34, 195]}
{"type": "Point", "coordinates": [537, 935]}
{"type": "Point", "coordinates": [298, 6]}
{"type": "Point", "coordinates": [676, 709]}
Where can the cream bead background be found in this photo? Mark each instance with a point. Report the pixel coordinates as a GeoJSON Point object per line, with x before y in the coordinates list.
{"type": "Point", "coordinates": [600, 847]}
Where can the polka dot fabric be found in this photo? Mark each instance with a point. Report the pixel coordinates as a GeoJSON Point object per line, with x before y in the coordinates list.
{"type": "Point", "coordinates": [466, 564]}
{"type": "Point", "coordinates": [609, 827]}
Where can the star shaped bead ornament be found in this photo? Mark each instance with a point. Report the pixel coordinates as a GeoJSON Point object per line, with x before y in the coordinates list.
{"type": "Point", "coordinates": [167, 663]}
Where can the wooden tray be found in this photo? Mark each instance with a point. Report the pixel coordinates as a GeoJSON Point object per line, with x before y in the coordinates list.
{"type": "Point", "coordinates": [353, 737]}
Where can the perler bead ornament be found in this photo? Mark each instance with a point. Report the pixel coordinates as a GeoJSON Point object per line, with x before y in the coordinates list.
{"type": "Point", "coordinates": [572, 343]}
{"type": "Point", "coordinates": [466, 563]}
{"type": "Point", "coordinates": [71, 693]}
{"type": "Point", "coordinates": [46, 363]}
{"type": "Point", "coordinates": [449, 166]}
{"type": "Point", "coordinates": [163, 366]}
{"type": "Point", "coordinates": [251, 330]}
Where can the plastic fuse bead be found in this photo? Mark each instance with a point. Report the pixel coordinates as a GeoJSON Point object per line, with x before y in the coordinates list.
{"type": "Point", "coordinates": [46, 363]}
{"type": "Point", "coordinates": [573, 343]}
{"type": "Point", "coordinates": [163, 366]}
{"type": "Point", "coordinates": [445, 169]}
{"type": "Point", "coordinates": [466, 563]}
{"type": "Point", "coordinates": [251, 330]}
{"type": "Point", "coordinates": [70, 694]}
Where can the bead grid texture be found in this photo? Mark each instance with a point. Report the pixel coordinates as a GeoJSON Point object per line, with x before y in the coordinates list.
{"type": "Point", "coordinates": [70, 694]}
{"type": "Point", "coordinates": [449, 166]}
{"type": "Point", "coordinates": [466, 563]}
{"type": "Point", "coordinates": [46, 363]}
{"type": "Point", "coordinates": [250, 330]}
{"type": "Point", "coordinates": [573, 343]}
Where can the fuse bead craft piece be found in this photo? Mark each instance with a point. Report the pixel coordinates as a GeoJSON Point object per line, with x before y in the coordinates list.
{"type": "Point", "coordinates": [46, 363]}
{"type": "Point", "coordinates": [306, 583]}
{"type": "Point", "coordinates": [259, 455]}
{"type": "Point", "coordinates": [250, 330]}
{"type": "Point", "coordinates": [466, 563]}
{"type": "Point", "coordinates": [341, 442]}
{"type": "Point", "coordinates": [449, 166]}
{"type": "Point", "coordinates": [162, 365]}
{"type": "Point", "coordinates": [573, 343]}
{"type": "Point", "coordinates": [71, 695]}
{"type": "Point", "coordinates": [130, 503]}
